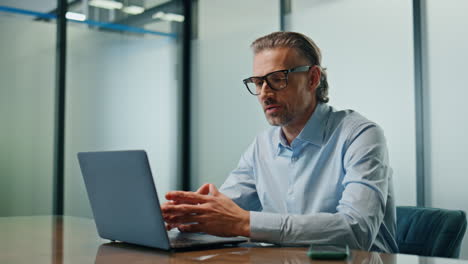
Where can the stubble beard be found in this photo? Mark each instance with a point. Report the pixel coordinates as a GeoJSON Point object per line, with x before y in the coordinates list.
{"type": "Point", "coordinates": [279, 119]}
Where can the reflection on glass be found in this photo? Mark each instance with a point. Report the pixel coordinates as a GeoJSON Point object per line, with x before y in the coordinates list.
{"type": "Point", "coordinates": [122, 94]}
{"type": "Point", "coordinates": [27, 91]}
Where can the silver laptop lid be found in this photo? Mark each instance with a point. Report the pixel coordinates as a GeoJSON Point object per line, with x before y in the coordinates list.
{"type": "Point", "coordinates": [123, 197]}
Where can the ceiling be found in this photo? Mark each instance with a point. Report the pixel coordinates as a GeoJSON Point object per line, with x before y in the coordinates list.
{"type": "Point", "coordinates": [149, 14]}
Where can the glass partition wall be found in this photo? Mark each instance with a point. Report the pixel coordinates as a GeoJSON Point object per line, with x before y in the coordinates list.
{"type": "Point", "coordinates": [27, 92]}
{"type": "Point", "coordinates": [445, 60]}
{"type": "Point", "coordinates": [122, 90]}
{"type": "Point", "coordinates": [367, 47]}
{"type": "Point", "coordinates": [226, 117]}
{"type": "Point", "coordinates": [122, 93]}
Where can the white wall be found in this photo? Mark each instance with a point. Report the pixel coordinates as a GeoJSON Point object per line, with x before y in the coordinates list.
{"type": "Point", "coordinates": [447, 83]}
{"type": "Point", "coordinates": [27, 93]}
{"type": "Point", "coordinates": [225, 117]}
{"type": "Point", "coordinates": [122, 93]}
{"type": "Point", "coordinates": [367, 46]}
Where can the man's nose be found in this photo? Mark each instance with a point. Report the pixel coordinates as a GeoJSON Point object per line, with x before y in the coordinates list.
{"type": "Point", "coordinates": [265, 91]}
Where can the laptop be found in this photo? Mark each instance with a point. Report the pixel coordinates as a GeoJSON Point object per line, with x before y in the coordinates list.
{"type": "Point", "coordinates": [125, 203]}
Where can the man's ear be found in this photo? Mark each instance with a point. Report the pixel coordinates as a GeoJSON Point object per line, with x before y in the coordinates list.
{"type": "Point", "coordinates": [314, 76]}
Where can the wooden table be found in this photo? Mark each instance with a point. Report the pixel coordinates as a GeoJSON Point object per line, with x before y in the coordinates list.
{"type": "Point", "coordinates": [50, 239]}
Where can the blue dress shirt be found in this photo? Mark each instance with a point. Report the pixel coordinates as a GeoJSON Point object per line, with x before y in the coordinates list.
{"type": "Point", "coordinates": [331, 185]}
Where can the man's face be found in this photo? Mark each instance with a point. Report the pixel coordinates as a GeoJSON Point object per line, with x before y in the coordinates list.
{"type": "Point", "coordinates": [293, 105]}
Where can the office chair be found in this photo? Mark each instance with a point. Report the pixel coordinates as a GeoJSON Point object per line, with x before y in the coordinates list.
{"type": "Point", "coordinates": [430, 231]}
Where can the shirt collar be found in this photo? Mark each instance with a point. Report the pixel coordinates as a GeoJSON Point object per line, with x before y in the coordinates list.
{"type": "Point", "coordinates": [312, 132]}
{"type": "Point", "coordinates": [278, 140]}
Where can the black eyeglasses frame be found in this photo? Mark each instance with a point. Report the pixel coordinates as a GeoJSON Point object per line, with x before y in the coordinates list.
{"type": "Point", "coordinates": [304, 68]}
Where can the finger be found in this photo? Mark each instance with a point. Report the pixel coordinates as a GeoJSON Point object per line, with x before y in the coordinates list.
{"type": "Point", "coordinates": [204, 189]}
{"type": "Point", "coordinates": [184, 219]}
{"type": "Point", "coordinates": [213, 190]}
{"type": "Point", "coordinates": [183, 209]}
{"type": "Point", "coordinates": [170, 226]}
{"type": "Point", "coordinates": [168, 203]}
{"type": "Point", "coordinates": [180, 211]}
{"type": "Point", "coordinates": [191, 228]}
{"type": "Point", "coordinates": [173, 214]}
{"type": "Point", "coordinates": [187, 197]}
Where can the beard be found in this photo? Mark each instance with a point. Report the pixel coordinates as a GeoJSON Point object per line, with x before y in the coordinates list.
{"type": "Point", "coordinates": [281, 118]}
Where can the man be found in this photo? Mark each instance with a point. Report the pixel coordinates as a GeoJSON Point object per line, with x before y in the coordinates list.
{"type": "Point", "coordinates": [317, 176]}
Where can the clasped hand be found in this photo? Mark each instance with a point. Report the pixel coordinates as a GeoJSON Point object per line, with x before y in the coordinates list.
{"type": "Point", "coordinates": [206, 210]}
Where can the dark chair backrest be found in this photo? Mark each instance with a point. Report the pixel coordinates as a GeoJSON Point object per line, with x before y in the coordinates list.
{"type": "Point", "coordinates": [430, 231]}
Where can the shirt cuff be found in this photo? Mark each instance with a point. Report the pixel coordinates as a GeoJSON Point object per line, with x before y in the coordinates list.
{"type": "Point", "coordinates": [265, 227]}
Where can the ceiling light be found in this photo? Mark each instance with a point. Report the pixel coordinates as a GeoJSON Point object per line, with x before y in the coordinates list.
{"type": "Point", "coordinates": [133, 10]}
{"type": "Point", "coordinates": [75, 16]}
{"type": "Point", "coordinates": [169, 17]}
{"type": "Point", "coordinates": [107, 4]}
{"type": "Point", "coordinates": [159, 15]}
{"type": "Point", "coordinates": [175, 17]}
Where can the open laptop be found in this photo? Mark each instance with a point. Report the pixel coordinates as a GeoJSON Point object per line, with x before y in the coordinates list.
{"type": "Point", "coordinates": [125, 203]}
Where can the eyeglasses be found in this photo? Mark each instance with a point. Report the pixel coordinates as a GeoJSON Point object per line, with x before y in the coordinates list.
{"type": "Point", "coordinates": [277, 80]}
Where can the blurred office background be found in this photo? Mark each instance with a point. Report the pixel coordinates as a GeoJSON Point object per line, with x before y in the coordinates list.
{"type": "Point", "coordinates": [399, 63]}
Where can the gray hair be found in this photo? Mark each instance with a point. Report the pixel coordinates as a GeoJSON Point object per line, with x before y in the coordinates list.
{"type": "Point", "coordinates": [305, 46]}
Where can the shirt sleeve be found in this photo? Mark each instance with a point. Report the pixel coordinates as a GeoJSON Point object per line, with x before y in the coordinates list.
{"type": "Point", "coordinates": [240, 184]}
{"type": "Point", "coordinates": [360, 211]}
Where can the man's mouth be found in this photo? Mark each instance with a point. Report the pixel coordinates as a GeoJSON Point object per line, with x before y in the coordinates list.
{"type": "Point", "coordinates": [273, 108]}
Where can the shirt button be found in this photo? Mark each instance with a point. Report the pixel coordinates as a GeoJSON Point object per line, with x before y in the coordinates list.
{"type": "Point", "coordinates": [293, 159]}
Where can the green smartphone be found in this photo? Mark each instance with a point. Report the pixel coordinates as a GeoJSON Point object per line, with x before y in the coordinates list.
{"type": "Point", "coordinates": [332, 252]}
